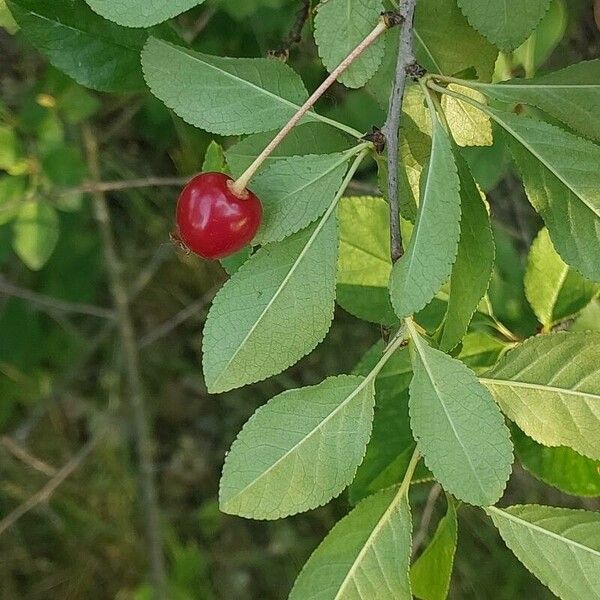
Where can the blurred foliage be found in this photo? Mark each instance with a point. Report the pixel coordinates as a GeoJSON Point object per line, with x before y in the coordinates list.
{"type": "Point", "coordinates": [60, 381]}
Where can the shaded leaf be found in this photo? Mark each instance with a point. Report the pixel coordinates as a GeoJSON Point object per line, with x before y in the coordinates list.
{"type": "Point", "coordinates": [560, 467]}
{"type": "Point", "coordinates": [554, 290]}
{"type": "Point", "coordinates": [506, 23]}
{"type": "Point", "coordinates": [36, 230]}
{"type": "Point", "coordinates": [140, 13]}
{"type": "Point", "coordinates": [472, 269]}
{"type": "Point", "coordinates": [430, 574]}
{"type": "Point", "coordinates": [96, 53]}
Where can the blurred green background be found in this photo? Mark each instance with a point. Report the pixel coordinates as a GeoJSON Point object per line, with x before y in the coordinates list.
{"type": "Point", "coordinates": [61, 377]}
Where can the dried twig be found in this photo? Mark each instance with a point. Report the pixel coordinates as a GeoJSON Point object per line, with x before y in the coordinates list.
{"type": "Point", "coordinates": [53, 304]}
{"type": "Point", "coordinates": [118, 186]}
{"type": "Point", "coordinates": [143, 440]}
{"type": "Point", "coordinates": [26, 457]}
{"type": "Point", "coordinates": [391, 129]}
{"type": "Point", "coordinates": [46, 492]}
{"type": "Point", "coordinates": [421, 535]}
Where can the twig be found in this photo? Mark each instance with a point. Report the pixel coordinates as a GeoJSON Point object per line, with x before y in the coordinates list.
{"type": "Point", "coordinates": [53, 304]}
{"type": "Point", "coordinates": [421, 535]}
{"type": "Point", "coordinates": [25, 457]}
{"type": "Point", "coordinates": [46, 492]}
{"type": "Point", "coordinates": [118, 186]}
{"type": "Point", "coordinates": [239, 186]}
{"type": "Point", "coordinates": [391, 129]}
{"type": "Point", "coordinates": [295, 35]}
{"type": "Point", "coordinates": [143, 440]}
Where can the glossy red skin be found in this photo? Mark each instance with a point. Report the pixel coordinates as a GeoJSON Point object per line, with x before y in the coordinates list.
{"type": "Point", "coordinates": [212, 221]}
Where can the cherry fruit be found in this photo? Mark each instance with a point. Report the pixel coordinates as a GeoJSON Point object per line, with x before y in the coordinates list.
{"type": "Point", "coordinates": [212, 220]}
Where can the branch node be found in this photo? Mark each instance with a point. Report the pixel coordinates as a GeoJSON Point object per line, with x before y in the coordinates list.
{"type": "Point", "coordinates": [377, 138]}
{"type": "Point", "coordinates": [392, 18]}
{"type": "Point", "coordinates": [415, 71]}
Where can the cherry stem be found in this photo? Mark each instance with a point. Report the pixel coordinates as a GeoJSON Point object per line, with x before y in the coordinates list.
{"type": "Point", "coordinates": [238, 187]}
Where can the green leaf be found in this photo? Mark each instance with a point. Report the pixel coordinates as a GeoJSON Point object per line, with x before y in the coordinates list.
{"type": "Point", "coordinates": [366, 555]}
{"type": "Point", "coordinates": [141, 13]}
{"type": "Point", "coordinates": [560, 467]}
{"type": "Point", "coordinates": [430, 574]}
{"type": "Point", "coordinates": [64, 165]}
{"type": "Point", "coordinates": [91, 50]}
{"type": "Point", "coordinates": [12, 193]}
{"type": "Point", "coordinates": [10, 150]}
{"type": "Point", "coordinates": [427, 263]}
{"type": "Point", "coordinates": [472, 270]}
{"type": "Point", "coordinates": [538, 48]}
{"type": "Point", "coordinates": [554, 290]}
{"type": "Point", "coordinates": [227, 96]}
{"type": "Point", "coordinates": [232, 263]}
{"type": "Point", "coordinates": [300, 450]}
{"type": "Point", "coordinates": [391, 445]}
{"type": "Point", "coordinates": [340, 25]}
{"type": "Point", "coordinates": [214, 159]}
{"type": "Point", "coordinates": [437, 22]}
{"type": "Point", "coordinates": [469, 125]}
{"type": "Point", "coordinates": [560, 546]}
{"type": "Point", "coordinates": [364, 262]}
{"type": "Point", "coordinates": [295, 191]}
{"type": "Point", "coordinates": [458, 427]}
{"type": "Point", "coordinates": [506, 23]}
{"type": "Point", "coordinates": [275, 309]}
{"type": "Point", "coordinates": [550, 387]}
{"type": "Point", "coordinates": [571, 95]}
{"type": "Point", "coordinates": [562, 180]}
{"type": "Point", "coordinates": [6, 19]}
{"type": "Point", "coordinates": [317, 137]}
{"type": "Point", "coordinates": [35, 233]}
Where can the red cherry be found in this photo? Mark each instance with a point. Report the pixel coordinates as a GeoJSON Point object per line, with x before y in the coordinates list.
{"type": "Point", "coordinates": [212, 220]}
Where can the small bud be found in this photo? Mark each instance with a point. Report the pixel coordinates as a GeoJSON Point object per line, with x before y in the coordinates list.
{"type": "Point", "coordinates": [392, 18]}
{"type": "Point", "coordinates": [377, 138]}
{"type": "Point", "coordinates": [283, 54]}
{"type": "Point", "coordinates": [415, 71]}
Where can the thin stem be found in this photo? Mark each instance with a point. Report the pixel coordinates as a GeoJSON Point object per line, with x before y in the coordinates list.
{"type": "Point", "coordinates": [143, 439]}
{"type": "Point", "coordinates": [53, 304]}
{"type": "Point", "coordinates": [393, 345]}
{"type": "Point", "coordinates": [239, 186]}
{"type": "Point", "coordinates": [45, 493]}
{"type": "Point", "coordinates": [116, 186]}
{"type": "Point", "coordinates": [442, 90]}
{"type": "Point", "coordinates": [391, 129]}
{"type": "Point", "coordinates": [410, 471]}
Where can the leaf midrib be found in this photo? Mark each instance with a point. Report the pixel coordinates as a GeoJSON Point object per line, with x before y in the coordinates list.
{"type": "Point", "coordinates": [547, 532]}
{"type": "Point", "coordinates": [419, 347]}
{"type": "Point", "coordinates": [109, 41]}
{"type": "Point", "coordinates": [368, 543]}
{"type": "Point", "coordinates": [538, 387]}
